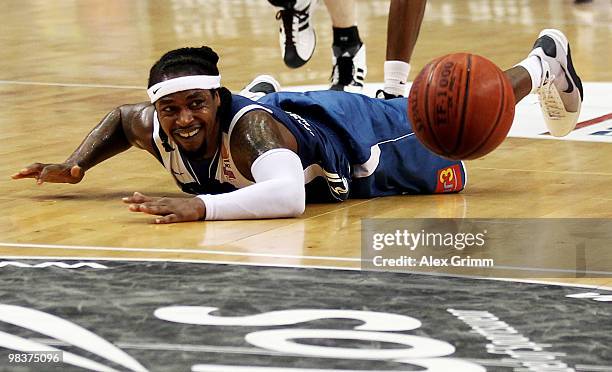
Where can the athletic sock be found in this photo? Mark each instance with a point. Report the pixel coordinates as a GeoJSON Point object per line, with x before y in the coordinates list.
{"type": "Point", "coordinates": [346, 37]}
{"type": "Point", "coordinates": [282, 3]}
{"type": "Point", "coordinates": [396, 76]}
{"type": "Point", "coordinates": [301, 4]}
{"type": "Point", "coordinates": [533, 65]}
{"type": "Point", "coordinates": [295, 4]}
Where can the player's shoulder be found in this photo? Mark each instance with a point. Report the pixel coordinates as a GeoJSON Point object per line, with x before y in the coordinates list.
{"type": "Point", "coordinates": [255, 133]}
{"type": "Point", "coordinates": [255, 122]}
{"type": "Point", "coordinates": [242, 109]}
{"type": "Point", "coordinates": [138, 113]}
{"type": "Point", "coordinates": [137, 122]}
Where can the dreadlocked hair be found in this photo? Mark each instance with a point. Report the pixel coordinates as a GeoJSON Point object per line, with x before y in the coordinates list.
{"type": "Point", "coordinates": [190, 61]}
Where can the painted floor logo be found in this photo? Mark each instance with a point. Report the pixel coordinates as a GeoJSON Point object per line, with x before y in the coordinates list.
{"type": "Point", "coordinates": [160, 316]}
{"type": "Point", "coordinates": [505, 340]}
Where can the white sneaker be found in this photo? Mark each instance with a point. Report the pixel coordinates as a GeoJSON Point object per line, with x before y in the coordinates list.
{"type": "Point", "coordinates": [297, 35]}
{"type": "Point", "coordinates": [349, 69]}
{"type": "Point", "coordinates": [561, 107]}
{"type": "Point", "coordinates": [260, 86]}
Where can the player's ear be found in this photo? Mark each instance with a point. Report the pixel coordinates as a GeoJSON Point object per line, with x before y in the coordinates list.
{"type": "Point", "coordinates": [216, 97]}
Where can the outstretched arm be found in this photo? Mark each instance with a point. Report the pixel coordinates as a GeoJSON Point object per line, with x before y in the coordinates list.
{"type": "Point", "coordinates": [264, 151]}
{"type": "Point", "coordinates": [120, 129]}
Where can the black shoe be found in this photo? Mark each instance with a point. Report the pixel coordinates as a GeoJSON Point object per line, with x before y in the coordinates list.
{"type": "Point", "coordinates": [384, 95]}
{"type": "Point", "coordinates": [350, 68]}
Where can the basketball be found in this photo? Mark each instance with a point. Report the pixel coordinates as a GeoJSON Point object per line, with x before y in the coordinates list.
{"type": "Point", "coordinates": [461, 106]}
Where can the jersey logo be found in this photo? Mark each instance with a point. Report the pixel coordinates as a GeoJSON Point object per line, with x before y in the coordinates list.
{"type": "Point", "coordinates": [226, 165]}
{"type": "Point", "coordinates": [449, 179]}
{"type": "Point", "coordinates": [227, 170]}
{"type": "Point", "coordinates": [337, 185]}
{"type": "Point", "coordinates": [302, 121]}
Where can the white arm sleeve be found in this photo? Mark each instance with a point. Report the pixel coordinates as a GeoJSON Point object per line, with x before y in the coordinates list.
{"type": "Point", "coordinates": [278, 191]}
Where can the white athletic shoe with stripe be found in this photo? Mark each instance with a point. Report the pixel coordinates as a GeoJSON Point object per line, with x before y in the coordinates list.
{"type": "Point", "coordinates": [260, 86]}
{"type": "Point", "coordinates": [297, 35]}
{"type": "Point", "coordinates": [561, 107]}
{"type": "Point", "coordinates": [350, 68]}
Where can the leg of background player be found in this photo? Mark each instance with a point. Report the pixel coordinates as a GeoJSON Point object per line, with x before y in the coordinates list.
{"type": "Point", "coordinates": [349, 57]}
{"type": "Point", "coordinates": [342, 13]}
{"type": "Point", "coordinates": [403, 26]}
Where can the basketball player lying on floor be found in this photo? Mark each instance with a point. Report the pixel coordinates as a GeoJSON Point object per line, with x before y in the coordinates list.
{"type": "Point", "coordinates": [246, 159]}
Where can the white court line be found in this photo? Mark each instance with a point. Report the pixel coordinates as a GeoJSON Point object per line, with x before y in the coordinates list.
{"type": "Point", "coordinates": [168, 250]}
{"type": "Point", "coordinates": [543, 171]}
{"type": "Point", "coordinates": [302, 266]}
{"type": "Point", "coordinates": [257, 351]}
{"type": "Point", "coordinates": [267, 255]}
{"type": "Point", "coordinates": [244, 350]}
{"type": "Point", "coordinates": [587, 368]}
{"type": "Point", "coordinates": [544, 23]}
{"type": "Point", "coordinates": [73, 85]}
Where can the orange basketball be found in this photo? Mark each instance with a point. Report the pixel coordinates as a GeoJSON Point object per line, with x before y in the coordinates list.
{"type": "Point", "coordinates": [461, 106]}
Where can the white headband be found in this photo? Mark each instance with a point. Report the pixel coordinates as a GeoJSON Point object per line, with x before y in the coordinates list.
{"type": "Point", "coordinates": [180, 84]}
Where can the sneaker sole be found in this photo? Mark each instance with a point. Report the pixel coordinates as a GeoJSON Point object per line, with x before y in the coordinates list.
{"type": "Point", "coordinates": [293, 60]}
{"type": "Point", "coordinates": [569, 69]}
{"type": "Point", "coordinates": [264, 79]}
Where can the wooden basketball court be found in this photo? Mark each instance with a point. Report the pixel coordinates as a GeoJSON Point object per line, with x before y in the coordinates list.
{"type": "Point", "coordinates": [65, 64]}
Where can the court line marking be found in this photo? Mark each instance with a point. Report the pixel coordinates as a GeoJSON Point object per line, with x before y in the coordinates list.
{"type": "Point", "coordinates": [588, 123]}
{"type": "Point", "coordinates": [537, 21]}
{"type": "Point", "coordinates": [268, 255]}
{"type": "Point", "coordinates": [257, 351]}
{"type": "Point", "coordinates": [546, 171]}
{"type": "Point", "coordinates": [181, 260]}
{"type": "Point", "coordinates": [72, 85]}
{"type": "Point", "coordinates": [303, 266]}
{"type": "Point", "coordinates": [588, 368]}
{"type": "Point", "coordinates": [178, 250]}
{"type": "Point", "coordinates": [594, 121]}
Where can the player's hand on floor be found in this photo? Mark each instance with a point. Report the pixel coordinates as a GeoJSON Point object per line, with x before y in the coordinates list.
{"type": "Point", "coordinates": [171, 210]}
{"type": "Point", "coordinates": [57, 173]}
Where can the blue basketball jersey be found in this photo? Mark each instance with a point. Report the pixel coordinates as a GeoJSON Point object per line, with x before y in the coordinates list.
{"type": "Point", "coordinates": [350, 145]}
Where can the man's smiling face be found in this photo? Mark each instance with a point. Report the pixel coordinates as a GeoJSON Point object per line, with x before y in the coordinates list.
{"type": "Point", "coordinates": [190, 118]}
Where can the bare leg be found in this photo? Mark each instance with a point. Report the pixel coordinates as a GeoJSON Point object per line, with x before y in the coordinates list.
{"type": "Point", "coordinates": [348, 52]}
{"type": "Point", "coordinates": [403, 26]}
{"type": "Point", "coordinates": [520, 80]}
{"type": "Point", "coordinates": [342, 13]}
